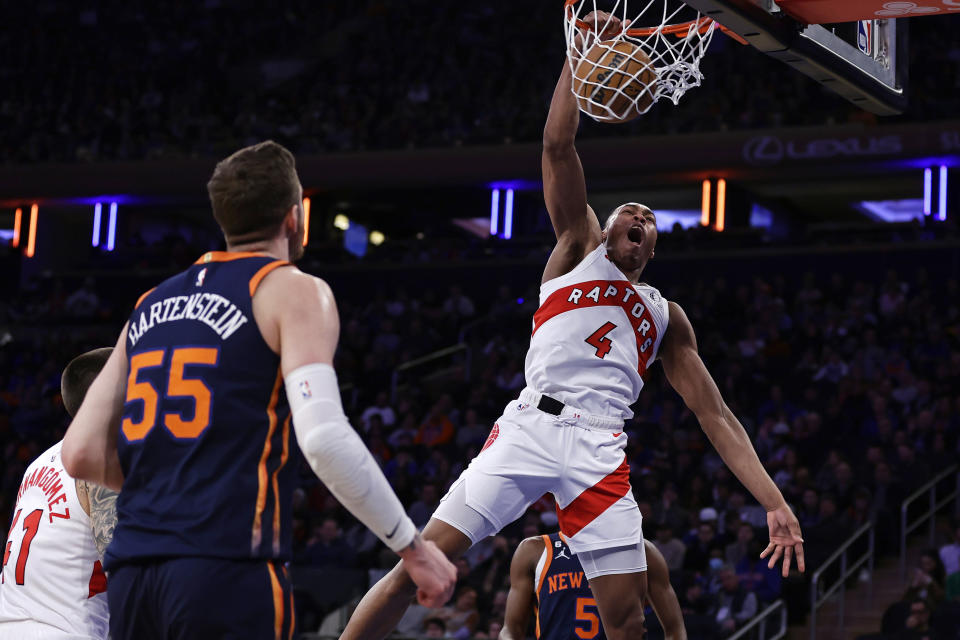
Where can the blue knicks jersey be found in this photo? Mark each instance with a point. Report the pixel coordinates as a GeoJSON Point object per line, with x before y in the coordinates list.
{"type": "Point", "coordinates": [205, 445]}
{"type": "Point", "coordinates": [566, 609]}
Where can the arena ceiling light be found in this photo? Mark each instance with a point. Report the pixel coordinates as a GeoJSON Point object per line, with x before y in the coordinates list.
{"type": "Point", "coordinates": [342, 222]}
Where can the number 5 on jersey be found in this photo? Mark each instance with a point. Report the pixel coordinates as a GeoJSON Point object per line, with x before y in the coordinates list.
{"type": "Point", "coordinates": [600, 342]}
{"type": "Point", "coordinates": [178, 386]}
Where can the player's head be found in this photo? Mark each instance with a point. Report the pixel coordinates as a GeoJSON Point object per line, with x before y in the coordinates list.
{"type": "Point", "coordinates": [256, 196]}
{"type": "Point", "coordinates": [630, 234]}
{"type": "Point", "coordinates": [79, 375]}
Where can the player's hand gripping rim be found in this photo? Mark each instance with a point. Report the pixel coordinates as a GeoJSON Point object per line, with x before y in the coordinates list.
{"type": "Point", "coordinates": [785, 540]}
{"type": "Point", "coordinates": [428, 567]}
{"type": "Point", "coordinates": [600, 26]}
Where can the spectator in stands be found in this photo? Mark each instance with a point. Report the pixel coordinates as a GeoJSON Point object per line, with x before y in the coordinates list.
{"type": "Point", "coordinates": [434, 628]}
{"type": "Point", "coordinates": [735, 551]}
{"type": "Point", "coordinates": [436, 429]}
{"type": "Point", "coordinates": [327, 548]}
{"type": "Point", "coordinates": [381, 407]}
{"type": "Point", "coordinates": [421, 510]}
{"type": "Point", "coordinates": [672, 549]}
{"type": "Point", "coordinates": [755, 576]}
{"type": "Point", "coordinates": [950, 553]}
{"type": "Point", "coordinates": [703, 548]}
{"type": "Point", "coordinates": [458, 305]}
{"type": "Point", "coordinates": [461, 617]}
{"type": "Point", "coordinates": [929, 579]}
{"type": "Point", "coordinates": [735, 605]}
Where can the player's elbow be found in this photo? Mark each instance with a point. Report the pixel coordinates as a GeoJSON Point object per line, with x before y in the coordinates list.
{"type": "Point", "coordinates": [557, 145]}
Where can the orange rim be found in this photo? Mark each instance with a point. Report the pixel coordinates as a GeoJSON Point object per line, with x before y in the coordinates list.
{"type": "Point", "coordinates": [680, 30]}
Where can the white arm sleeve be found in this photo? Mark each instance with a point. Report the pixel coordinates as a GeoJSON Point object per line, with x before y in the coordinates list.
{"type": "Point", "coordinates": [340, 459]}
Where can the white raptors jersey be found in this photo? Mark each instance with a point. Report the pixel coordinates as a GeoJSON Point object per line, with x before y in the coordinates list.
{"type": "Point", "coordinates": [52, 584]}
{"type": "Point", "coordinates": [594, 336]}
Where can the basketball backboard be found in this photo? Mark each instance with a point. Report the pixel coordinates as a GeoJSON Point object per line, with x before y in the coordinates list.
{"type": "Point", "coordinates": [863, 61]}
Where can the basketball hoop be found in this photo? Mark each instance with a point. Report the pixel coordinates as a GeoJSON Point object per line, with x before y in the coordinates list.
{"type": "Point", "coordinates": [660, 39]}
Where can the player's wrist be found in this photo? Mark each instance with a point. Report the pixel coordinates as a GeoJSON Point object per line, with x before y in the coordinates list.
{"type": "Point", "coordinates": [413, 549]}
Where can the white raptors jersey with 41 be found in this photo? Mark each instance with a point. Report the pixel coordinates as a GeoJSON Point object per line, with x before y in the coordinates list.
{"type": "Point", "coordinates": [594, 336]}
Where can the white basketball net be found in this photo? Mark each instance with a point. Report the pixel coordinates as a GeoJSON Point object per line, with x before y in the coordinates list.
{"type": "Point", "coordinates": [674, 37]}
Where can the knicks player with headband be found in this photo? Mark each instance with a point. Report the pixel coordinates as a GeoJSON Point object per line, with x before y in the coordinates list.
{"type": "Point", "coordinates": [192, 417]}
{"type": "Point", "coordinates": [597, 332]}
{"type": "Point", "coordinates": [52, 586]}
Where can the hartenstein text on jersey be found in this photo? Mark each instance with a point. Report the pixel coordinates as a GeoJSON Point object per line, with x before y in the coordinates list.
{"type": "Point", "coordinates": [212, 309]}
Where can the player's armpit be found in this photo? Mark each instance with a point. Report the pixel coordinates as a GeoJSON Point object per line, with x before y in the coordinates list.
{"type": "Point", "coordinates": [520, 600]}
{"type": "Point", "coordinates": [90, 445]}
{"type": "Point", "coordinates": [101, 506]}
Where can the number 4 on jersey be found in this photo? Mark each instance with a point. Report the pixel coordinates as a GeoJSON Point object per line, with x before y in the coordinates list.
{"type": "Point", "coordinates": [598, 340]}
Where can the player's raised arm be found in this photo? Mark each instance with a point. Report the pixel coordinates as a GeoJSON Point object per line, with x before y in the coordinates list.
{"type": "Point", "coordinates": [297, 312]}
{"type": "Point", "coordinates": [90, 444]}
{"type": "Point", "coordinates": [687, 374]}
{"type": "Point", "coordinates": [522, 589]}
{"type": "Point", "coordinates": [564, 186]}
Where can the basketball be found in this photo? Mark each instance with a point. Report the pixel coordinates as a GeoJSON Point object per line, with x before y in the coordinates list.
{"type": "Point", "coordinates": [607, 67]}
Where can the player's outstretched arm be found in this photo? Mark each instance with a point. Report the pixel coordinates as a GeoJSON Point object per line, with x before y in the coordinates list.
{"type": "Point", "coordinates": [522, 589]}
{"type": "Point", "coordinates": [90, 445]}
{"type": "Point", "coordinates": [298, 317]}
{"type": "Point", "coordinates": [687, 374]}
{"type": "Point", "coordinates": [661, 595]}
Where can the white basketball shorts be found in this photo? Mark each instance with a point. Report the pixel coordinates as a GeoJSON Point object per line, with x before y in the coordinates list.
{"type": "Point", "coordinates": [578, 458]}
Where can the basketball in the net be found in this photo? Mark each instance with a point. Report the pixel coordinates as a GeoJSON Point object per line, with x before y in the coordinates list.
{"type": "Point", "coordinates": [608, 66]}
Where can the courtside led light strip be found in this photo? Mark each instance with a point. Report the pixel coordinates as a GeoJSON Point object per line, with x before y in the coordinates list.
{"type": "Point", "coordinates": [942, 215]}
{"type": "Point", "coordinates": [97, 210]}
{"type": "Point", "coordinates": [112, 230]}
{"type": "Point", "coordinates": [705, 204]}
{"type": "Point", "coordinates": [494, 210]}
{"type": "Point", "coordinates": [721, 203]}
{"type": "Point", "coordinates": [508, 215]}
{"type": "Point", "coordinates": [17, 221]}
{"type": "Point", "coordinates": [306, 221]}
{"type": "Point", "coordinates": [32, 234]}
{"type": "Point", "coordinates": [927, 191]}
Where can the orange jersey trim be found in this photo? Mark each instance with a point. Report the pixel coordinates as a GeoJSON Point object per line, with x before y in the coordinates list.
{"type": "Point", "coordinates": [293, 617]}
{"type": "Point", "coordinates": [276, 492]}
{"type": "Point", "coordinates": [262, 273]}
{"type": "Point", "coordinates": [227, 256]}
{"type": "Point", "coordinates": [546, 564]}
{"type": "Point", "coordinates": [143, 297]}
{"type": "Point", "coordinates": [277, 602]}
{"type": "Point", "coordinates": [257, 535]}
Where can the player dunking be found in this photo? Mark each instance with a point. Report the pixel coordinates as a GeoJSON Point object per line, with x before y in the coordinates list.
{"type": "Point", "coordinates": [546, 578]}
{"type": "Point", "coordinates": [596, 333]}
{"type": "Point", "coordinates": [53, 586]}
{"type": "Point", "coordinates": [191, 416]}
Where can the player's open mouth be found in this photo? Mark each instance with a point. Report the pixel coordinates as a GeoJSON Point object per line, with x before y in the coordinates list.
{"type": "Point", "coordinates": [635, 234]}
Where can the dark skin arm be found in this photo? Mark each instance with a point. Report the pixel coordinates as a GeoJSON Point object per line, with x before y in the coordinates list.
{"type": "Point", "coordinates": [661, 595]}
{"type": "Point", "coordinates": [689, 377]}
{"type": "Point", "coordinates": [564, 186]}
{"type": "Point", "coordinates": [522, 597]}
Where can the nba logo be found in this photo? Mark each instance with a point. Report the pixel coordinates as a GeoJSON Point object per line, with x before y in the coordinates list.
{"type": "Point", "coordinates": [305, 390]}
{"type": "Point", "coordinates": [865, 36]}
{"type": "Point", "coordinates": [201, 276]}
